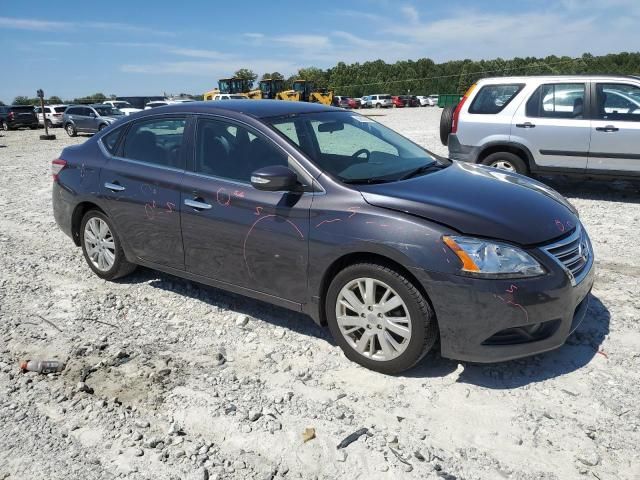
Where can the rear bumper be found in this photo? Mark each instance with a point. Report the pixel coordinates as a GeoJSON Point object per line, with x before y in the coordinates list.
{"type": "Point", "coordinates": [463, 153]}
{"type": "Point", "coordinates": [487, 321]}
{"type": "Point", "coordinates": [63, 206]}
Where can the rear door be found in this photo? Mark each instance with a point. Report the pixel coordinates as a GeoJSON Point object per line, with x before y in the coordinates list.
{"type": "Point", "coordinates": [234, 233]}
{"type": "Point", "coordinates": [141, 184]}
{"type": "Point", "coordinates": [615, 133]}
{"type": "Point", "coordinates": [554, 126]}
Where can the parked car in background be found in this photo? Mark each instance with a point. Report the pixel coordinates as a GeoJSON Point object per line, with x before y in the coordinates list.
{"type": "Point", "coordinates": [123, 106]}
{"type": "Point", "coordinates": [365, 102]}
{"type": "Point", "coordinates": [576, 125]}
{"type": "Point", "coordinates": [140, 101]}
{"type": "Point", "coordinates": [17, 116]}
{"type": "Point", "coordinates": [156, 103]}
{"type": "Point", "coordinates": [389, 245]}
{"type": "Point", "coordinates": [353, 102]}
{"type": "Point", "coordinates": [381, 101]}
{"type": "Point", "coordinates": [424, 101]}
{"type": "Point", "coordinates": [52, 114]}
{"type": "Point", "coordinates": [398, 102]}
{"type": "Point", "coordinates": [226, 96]}
{"type": "Point", "coordinates": [342, 102]}
{"type": "Point", "coordinates": [89, 118]}
{"type": "Point", "coordinates": [433, 100]}
{"type": "Point", "coordinates": [410, 100]}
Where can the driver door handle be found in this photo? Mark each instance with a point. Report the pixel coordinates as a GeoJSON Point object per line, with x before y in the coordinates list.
{"type": "Point", "coordinates": [608, 128]}
{"type": "Point", "coordinates": [114, 187]}
{"type": "Point", "coordinates": [197, 204]}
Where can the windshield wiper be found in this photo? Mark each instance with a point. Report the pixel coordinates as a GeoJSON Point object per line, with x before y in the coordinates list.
{"type": "Point", "coordinates": [367, 181]}
{"type": "Point", "coordinates": [422, 169]}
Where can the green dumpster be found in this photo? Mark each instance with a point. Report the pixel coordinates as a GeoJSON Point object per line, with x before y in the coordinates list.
{"type": "Point", "coordinates": [448, 99]}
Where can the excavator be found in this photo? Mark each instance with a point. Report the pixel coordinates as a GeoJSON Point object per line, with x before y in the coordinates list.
{"type": "Point", "coordinates": [268, 89]}
{"type": "Point", "coordinates": [303, 91]}
{"type": "Point", "coordinates": [233, 86]}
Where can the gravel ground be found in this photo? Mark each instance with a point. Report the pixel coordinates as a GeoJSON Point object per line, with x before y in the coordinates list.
{"type": "Point", "coordinates": [169, 379]}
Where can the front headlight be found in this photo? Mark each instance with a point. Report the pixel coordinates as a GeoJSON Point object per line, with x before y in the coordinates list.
{"type": "Point", "coordinates": [492, 259]}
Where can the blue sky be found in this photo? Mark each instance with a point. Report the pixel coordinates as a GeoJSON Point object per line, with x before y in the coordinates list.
{"type": "Point", "coordinates": [73, 48]}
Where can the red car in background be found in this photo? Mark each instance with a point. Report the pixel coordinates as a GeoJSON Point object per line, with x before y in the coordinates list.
{"type": "Point", "coordinates": [410, 100]}
{"type": "Point", "coordinates": [354, 102]}
{"type": "Point", "coordinates": [398, 102]}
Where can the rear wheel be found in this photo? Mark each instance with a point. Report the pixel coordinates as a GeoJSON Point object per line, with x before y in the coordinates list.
{"type": "Point", "coordinates": [101, 247]}
{"type": "Point", "coordinates": [102, 127]}
{"type": "Point", "coordinates": [49, 124]}
{"type": "Point", "coordinates": [71, 130]}
{"type": "Point", "coordinates": [377, 105]}
{"type": "Point", "coordinates": [446, 120]}
{"type": "Point", "coordinates": [506, 161]}
{"type": "Point", "coordinates": [5, 126]}
{"type": "Point", "coordinates": [378, 318]}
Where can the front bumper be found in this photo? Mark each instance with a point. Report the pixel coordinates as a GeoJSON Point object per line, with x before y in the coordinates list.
{"type": "Point", "coordinates": [485, 321]}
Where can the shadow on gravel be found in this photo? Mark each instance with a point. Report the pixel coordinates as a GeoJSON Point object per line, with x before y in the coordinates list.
{"type": "Point", "coordinates": [589, 189]}
{"type": "Point", "coordinates": [277, 316]}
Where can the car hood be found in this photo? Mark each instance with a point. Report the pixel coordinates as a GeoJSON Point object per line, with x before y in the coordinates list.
{"type": "Point", "coordinates": [481, 201]}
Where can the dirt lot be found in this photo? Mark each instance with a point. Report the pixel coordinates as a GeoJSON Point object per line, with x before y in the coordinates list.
{"type": "Point", "coordinates": [168, 379]}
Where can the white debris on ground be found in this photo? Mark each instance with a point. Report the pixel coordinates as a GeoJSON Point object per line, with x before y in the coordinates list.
{"type": "Point", "coordinates": [169, 379]}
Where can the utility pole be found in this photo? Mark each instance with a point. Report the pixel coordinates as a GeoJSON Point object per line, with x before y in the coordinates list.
{"type": "Point", "coordinates": [46, 135]}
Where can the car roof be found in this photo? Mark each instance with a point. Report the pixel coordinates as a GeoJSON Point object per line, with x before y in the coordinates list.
{"type": "Point", "coordinates": [255, 108]}
{"type": "Point", "coordinates": [525, 78]}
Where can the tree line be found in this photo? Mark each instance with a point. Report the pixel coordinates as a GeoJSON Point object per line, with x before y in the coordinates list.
{"type": "Point", "coordinates": [422, 76]}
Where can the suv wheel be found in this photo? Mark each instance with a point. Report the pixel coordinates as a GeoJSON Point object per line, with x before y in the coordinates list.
{"type": "Point", "coordinates": [378, 318]}
{"type": "Point", "coordinates": [377, 105]}
{"type": "Point", "coordinates": [71, 130]}
{"type": "Point", "coordinates": [102, 127]}
{"type": "Point", "coordinates": [446, 119]}
{"type": "Point", "coordinates": [506, 161]}
{"type": "Point", "coordinates": [101, 247]}
{"type": "Point", "coordinates": [49, 124]}
{"type": "Point", "coordinates": [5, 126]}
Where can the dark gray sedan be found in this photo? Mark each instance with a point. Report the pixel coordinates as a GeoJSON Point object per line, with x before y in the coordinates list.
{"type": "Point", "coordinates": [327, 212]}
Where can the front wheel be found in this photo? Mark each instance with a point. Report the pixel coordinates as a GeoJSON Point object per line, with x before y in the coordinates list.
{"type": "Point", "coordinates": [379, 318]}
{"type": "Point", "coordinates": [101, 247]}
{"type": "Point", "coordinates": [506, 161]}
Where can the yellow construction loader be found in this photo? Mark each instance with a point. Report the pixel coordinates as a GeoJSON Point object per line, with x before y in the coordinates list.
{"type": "Point", "coordinates": [268, 89]}
{"type": "Point", "coordinates": [303, 91]}
{"type": "Point", "coordinates": [231, 86]}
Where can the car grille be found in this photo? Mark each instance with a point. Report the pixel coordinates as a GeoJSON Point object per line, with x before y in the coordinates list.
{"type": "Point", "coordinates": [573, 254]}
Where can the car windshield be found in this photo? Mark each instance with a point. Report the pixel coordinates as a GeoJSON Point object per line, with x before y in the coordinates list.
{"type": "Point", "coordinates": [108, 111]}
{"type": "Point", "coordinates": [385, 97]}
{"type": "Point", "coordinates": [122, 105]}
{"type": "Point", "coordinates": [354, 148]}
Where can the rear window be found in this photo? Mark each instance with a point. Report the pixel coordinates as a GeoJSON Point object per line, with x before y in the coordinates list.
{"type": "Point", "coordinates": [493, 99]}
{"type": "Point", "coordinates": [110, 140]}
{"type": "Point", "coordinates": [384, 97]}
{"type": "Point", "coordinates": [23, 109]}
{"type": "Point", "coordinates": [60, 109]}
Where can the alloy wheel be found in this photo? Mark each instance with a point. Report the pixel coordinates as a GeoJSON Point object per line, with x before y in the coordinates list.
{"type": "Point", "coordinates": [503, 165]}
{"type": "Point", "coordinates": [99, 244]}
{"type": "Point", "coordinates": [373, 319]}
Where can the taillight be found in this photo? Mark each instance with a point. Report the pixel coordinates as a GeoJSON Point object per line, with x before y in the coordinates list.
{"type": "Point", "coordinates": [456, 112]}
{"type": "Point", "coordinates": [56, 167]}
{"type": "Point", "coordinates": [11, 115]}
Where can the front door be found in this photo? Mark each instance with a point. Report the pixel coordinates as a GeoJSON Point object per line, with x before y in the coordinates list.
{"type": "Point", "coordinates": [615, 134]}
{"type": "Point", "coordinates": [142, 188]}
{"type": "Point", "coordinates": [234, 233]}
{"type": "Point", "coordinates": [552, 124]}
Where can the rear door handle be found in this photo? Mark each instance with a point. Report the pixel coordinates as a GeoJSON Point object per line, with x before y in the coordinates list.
{"type": "Point", "coordinates": [608, 128]}
{"type": "Point", "coordinates": [197, 204]}
{"type": "Point", "coordinates": [525, 125]}
{"type": "Point", "coordinates": [114, 187]}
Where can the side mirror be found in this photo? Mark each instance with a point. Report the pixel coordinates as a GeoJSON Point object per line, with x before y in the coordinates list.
{"type": "Point", "coordinates": [275, 178]}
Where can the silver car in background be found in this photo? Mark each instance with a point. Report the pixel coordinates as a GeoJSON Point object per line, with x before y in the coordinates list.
{"type": "Point", "coordinates": [575, 125]}
{"type": "Point", "coordinates": [89, 118]}
{"type": "Point", "coordinates": [381, 100]}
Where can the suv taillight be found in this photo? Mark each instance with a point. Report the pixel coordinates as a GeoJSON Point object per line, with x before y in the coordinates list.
{"type": "Point", "coordinates": [456, 112]}
{"type": "Point", "coordinates": [11, 115]}
{"type": "Point", "coordinates": [56, 167]}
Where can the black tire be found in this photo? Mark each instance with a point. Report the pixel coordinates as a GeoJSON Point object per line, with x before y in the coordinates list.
{"type": "Point", "coordinates": [424, 331]}
{"type": "Point", "coordinates": [71, 130]}
{"type": "Point", "coordinates": [49, 124]}
{"type": "Point", "coordinates": [377, 105]}
{"type": "Point", "coordinates": [121, 267]}
{"type": "Point", "coordinates": [5, 126]}
{"type": "Point", "coordinates": [446, 119]}
{"type": "Point", "coordinates": [493, 160]}
{"type": "Point", "coordinates": [34, 127]}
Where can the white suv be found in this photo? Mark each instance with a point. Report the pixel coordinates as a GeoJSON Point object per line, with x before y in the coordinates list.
{"type": "Point", "coordinates": [587, 124]}
{"type": "Point", "coordinates": [52, 113]}
{"type": "Point", "coordinates": [379, 100]}
{"type": "Point", "coordinates": [123, 106]}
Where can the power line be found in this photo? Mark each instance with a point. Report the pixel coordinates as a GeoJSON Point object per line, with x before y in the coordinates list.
{"type": "Point", "coordinates": [524, 67]}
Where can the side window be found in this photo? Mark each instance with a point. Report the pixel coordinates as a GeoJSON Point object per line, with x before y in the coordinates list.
{"type": "Point", "coordinates": [86, 112]}
{"type": "Point", "coordinates": [618, 101]}
{"type": "Point", "coordinates": [493, 99]}
{"type": "Point", "coordinates": [231, 151]}
{"type": "Point", "coordinates": [110, 141]}
{"type": "Point", "coordinates": [288, 129]}
{"type": "Point", "coordinates": [157, 141]}
{"type": "Point", "coordinates": [559, 100]}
